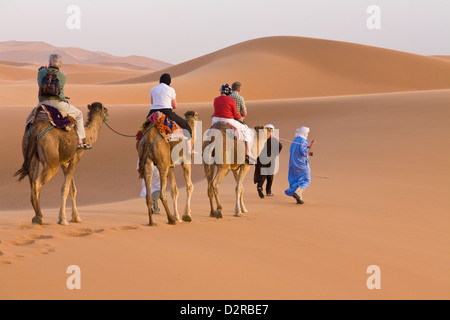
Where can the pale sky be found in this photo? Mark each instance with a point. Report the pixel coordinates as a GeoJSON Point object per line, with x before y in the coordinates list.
{"type": "Point", "coordinates": [179, 30]}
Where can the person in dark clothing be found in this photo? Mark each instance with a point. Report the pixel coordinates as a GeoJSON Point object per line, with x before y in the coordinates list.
{"type": "Point", "coordinates": [164, 100]}
{"type": "Point", "coordinates": [265, 168]}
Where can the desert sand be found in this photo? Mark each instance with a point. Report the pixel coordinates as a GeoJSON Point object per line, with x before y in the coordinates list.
{"type": "Point", "coordinates": [379, 191]}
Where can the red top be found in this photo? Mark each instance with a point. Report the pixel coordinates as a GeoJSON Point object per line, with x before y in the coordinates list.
{"type": "Point", "coordinates": [225, 107]}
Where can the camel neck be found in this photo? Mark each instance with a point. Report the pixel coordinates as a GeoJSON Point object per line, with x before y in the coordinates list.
{"type": "Point", "coordinates": [92, 128]}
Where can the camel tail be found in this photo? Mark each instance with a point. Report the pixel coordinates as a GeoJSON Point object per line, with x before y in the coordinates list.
{"type": "Point", "coordinates": [143, 155]}
{"type": "Point", "coordinates": [209, 168]}
{"type": "Point", "coordinates": [25, 170]}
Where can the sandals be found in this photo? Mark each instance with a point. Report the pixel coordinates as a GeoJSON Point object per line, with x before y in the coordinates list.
{"type": "Point", "coordinates": [250, 160]}
{"type": "Point", "coordinates": [260, 193]}
{"type": "Point", "coordinates": [299, 200]}
{"type": "Point", "coordinates": [84, 146]}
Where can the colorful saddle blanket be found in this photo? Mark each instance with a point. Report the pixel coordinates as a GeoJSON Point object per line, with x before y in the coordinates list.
{"type": "Point", "coordinates": [54, 116]}
{"type": "Point", "coordinates": [166, 127]}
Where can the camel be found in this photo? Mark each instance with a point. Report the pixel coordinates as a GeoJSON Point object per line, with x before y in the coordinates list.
{"type": "Point", "coordinates": [233, 161]}
{"type": "Point", "coordinates": [52, 148]}
{"type": "Point", "coordinates": [154, 150]}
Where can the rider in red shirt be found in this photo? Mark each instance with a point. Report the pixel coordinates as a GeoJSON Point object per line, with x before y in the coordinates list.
{"type": "Point", "coordinates": [225, 107]}
{"type": "Point", "coordinates": [225, 111]}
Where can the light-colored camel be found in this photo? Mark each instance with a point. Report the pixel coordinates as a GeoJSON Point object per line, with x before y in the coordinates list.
{"type": "Point", "coordinates": [154, 150]}
{"type": "Point", "coordinates": [53, 148]}
{"type": "Point", "coordinates": [229, 159]}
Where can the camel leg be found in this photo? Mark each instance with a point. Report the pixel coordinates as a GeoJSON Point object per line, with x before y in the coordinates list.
{"type": "Point", "coordinates": [209, 171]}
{"type": "Point", "coordinates": [240, 208]}
{"type": "Point", "coordinates": [175, 193]}
{"type": "Point", "coordinates": [189, 190]}
{"type": "Point", "coordinates": [33, 176]}
{"type": "Point", "coordinates": [62, 220]}
{"type": "Point", "coordinates": [221, 173]}
{"type": "Point", "coordinates": [148, 173]}
{"type": "Point", "coordinates": [47, 174]}
{"type": "Point", "coordinates": [163, 174]}
{"type": "Point", "coordinates": [237, 209]}
{"type": "Point", "coordinates": [243, 208]}
{"type": "Point", "coordinates": [73, 194]}
{"type": "Point", "coordinates": [68, 175]}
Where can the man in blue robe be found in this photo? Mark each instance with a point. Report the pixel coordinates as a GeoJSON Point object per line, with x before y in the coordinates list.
{"type": "Point", "coordinates": [299, 176]}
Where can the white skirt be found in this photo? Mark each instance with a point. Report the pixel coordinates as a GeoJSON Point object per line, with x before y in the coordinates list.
{"type": "Point", "coordinates": [246, 132]}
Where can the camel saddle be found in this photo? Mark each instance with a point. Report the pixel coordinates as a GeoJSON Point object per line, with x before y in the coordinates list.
{"type": "Point", "coordinates": [57, 118]}
{"type": "Point", "coordinates": [229, 129]}
{"type": "Point", "coordinates": [168, 129]}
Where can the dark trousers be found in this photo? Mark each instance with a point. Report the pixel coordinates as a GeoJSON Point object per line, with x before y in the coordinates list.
{"type": "Point", "coordinates": [176, 118]}
{"type": "Point", "coordinates": [261, 181]}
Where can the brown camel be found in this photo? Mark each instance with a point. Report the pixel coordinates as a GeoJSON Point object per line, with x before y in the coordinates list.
{"type": "Point", "coordinates": [54, 147]}
{"type": "Point", "coordinates": [154, 150]}
{"type": "Point", "coordinates": [220, 152]}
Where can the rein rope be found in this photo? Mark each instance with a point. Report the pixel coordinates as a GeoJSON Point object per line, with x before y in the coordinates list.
{"type": "Point", "coordinates": [302, 144]}
{"type": "Point", "coordinates": [120, 134]}
{"type": "Point", "coordinates": [133, 136]}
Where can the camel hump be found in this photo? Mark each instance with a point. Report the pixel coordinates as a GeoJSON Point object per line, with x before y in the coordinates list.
{"type": "Point", "coordinates": [48, 113]}
{"type": "Point", "coordinates": [222, 126]}
{"type": "Point", "coordinates": [228, 128]}
{"type": "Point", "coordinates": [165, 125]}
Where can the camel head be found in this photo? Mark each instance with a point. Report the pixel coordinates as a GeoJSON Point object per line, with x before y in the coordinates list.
{"type": "Point", "coordinates": [257, 128]}
{"type": "Point", "coordinates": [191, 115]}
{"type": "Point", "coordinates": [192, 118]}
{"type": "Point", "coordinates": [98, 107]}
{"type": "Point", "coordinates": [261, 133]}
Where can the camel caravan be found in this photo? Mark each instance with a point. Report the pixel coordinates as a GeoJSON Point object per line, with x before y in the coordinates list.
{"type": "Point", "coordinates": [55, 136]}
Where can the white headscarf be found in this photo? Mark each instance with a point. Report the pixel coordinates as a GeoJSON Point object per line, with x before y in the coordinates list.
{"type": "Point", "coordinates": [302, 132]}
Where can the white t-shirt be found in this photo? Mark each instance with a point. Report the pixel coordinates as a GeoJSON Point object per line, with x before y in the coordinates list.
{"type": "Point", "coordinates": [162, 96]}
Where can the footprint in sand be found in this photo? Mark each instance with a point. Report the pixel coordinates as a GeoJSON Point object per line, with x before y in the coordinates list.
{"type": "Point", "coordinates": [20, 243]}
{"type": "Point", "coordinates": [26, 244]}
{"type": "Point", "coordinates": [82, 232]}
{"type": "Point", "coordinates": [4, 255]}
{"type": "Point", "coordinates": [122, 228]}
{"type": "Point", "coordinates": [27, 226]}
{"type": "Point", "coordinates": [36, 237]}
{"type": "Point", "coordinates": [47, 249]}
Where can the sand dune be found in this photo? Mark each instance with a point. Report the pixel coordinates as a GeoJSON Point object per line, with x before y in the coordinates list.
{"type": "Point", "coordinates": [17, 64]}
{"type": "Point", "coordinates": [291, 67]}
{"type": "Point", "coordinates": [11, 72]}
{"type": "Point", "coordinates": [378, 195]}
{"type": "Point", "coordinates": [269, 68]}
{"type": "Point", "coordinates": [77, 73]}
{"type": "Point", "coordinates": [38, 52]}
{"type": "Point", "coordinates": [447, 58]}
{"type": "Point", "coordinates": [89, 74]}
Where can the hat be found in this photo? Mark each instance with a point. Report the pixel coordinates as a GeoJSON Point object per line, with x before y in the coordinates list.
{"type": "Point", "coordinates": [225, 89]}
{"type": "Point", "coordinates": [302, 132]}
{"type": "Point", "coordinates": [269, 126]}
